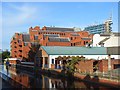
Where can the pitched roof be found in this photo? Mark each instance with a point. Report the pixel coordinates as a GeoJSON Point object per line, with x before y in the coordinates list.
{"type": "Point", "coordinates": [113, 50]}
{"type": "Point", "coordinates": [58, 39]}
{"type": "Point", "coordinates": [60, 29]}
{"type": "Point", "coordinates": [51, 35]}
{"type": "Point", "coordinates": [75, 34]}
{"type": "Point", "coordinates": [68, 50]}
{"type": "Point", "coordinates": [102, 41]}
{"type": "Point", "coordinates": [116, 33]}
{"type": "Point", "coordinates": [86, 38]}
{"type": "Point", "coordinates": [105, 34]}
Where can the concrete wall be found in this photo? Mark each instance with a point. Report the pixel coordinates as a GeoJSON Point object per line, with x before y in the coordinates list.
{"type": "Point", "coordinates": [113, 41]}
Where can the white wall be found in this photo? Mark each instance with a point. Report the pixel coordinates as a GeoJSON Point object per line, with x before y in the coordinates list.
{"type": "Point", "coordinates": [86, 56]}
{"type": "Point", "coordinates": [97, 57]}
{"type": "Point", "coordinates": [112, 41]}
{"type": "Point", "coordinates": [96, 39]}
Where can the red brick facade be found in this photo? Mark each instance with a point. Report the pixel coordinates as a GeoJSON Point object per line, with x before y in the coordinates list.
{"type": "Point", "coordinates": [101, 65]}
{"type": "Point", "coordinates": [21, 42]}
{"type": "Point", "coordinates": [85, 66]}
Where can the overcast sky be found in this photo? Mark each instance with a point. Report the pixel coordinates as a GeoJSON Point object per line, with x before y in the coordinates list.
{"type": "Point", "coordinates": [19, 16]}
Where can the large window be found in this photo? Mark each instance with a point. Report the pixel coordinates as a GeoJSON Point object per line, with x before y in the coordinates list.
{"type": "Point", "coordinates": [46, 60]}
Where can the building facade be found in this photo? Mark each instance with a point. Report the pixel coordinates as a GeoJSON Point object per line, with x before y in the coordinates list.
{"type": "Point", "coordinates": [21, 43]}
{"type": "Point", "coordinates": [100, 28]}
{"type": "Point", "coordinates": [106, 40]}
{"type": "Point", "coordinates": [56, 57]}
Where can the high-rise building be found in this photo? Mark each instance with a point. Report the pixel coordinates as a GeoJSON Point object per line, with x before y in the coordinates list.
{"type": "Point", "coordinates": [100, 28]}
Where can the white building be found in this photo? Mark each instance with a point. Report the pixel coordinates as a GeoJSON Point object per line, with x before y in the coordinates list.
{"type": "Point", "coordinates": [50, 53]}
{"type": "Point", "coordinates": [106, 40]}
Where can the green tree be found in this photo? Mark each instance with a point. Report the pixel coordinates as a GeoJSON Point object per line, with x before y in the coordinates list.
{"type": "Point", "coordinates": [32, 52]}
{"type": "Point", "coordinates": [71, 65]}
{"type": "Point", "coordinates": [5, 54]}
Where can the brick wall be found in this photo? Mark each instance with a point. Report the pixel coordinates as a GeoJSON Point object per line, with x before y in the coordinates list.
{"type": "Point", "coordinates": [16, 47]}
{"type": "Point", "coordinates": [85, 66]}
{"type": "Point", "coordinates": [103, 64]}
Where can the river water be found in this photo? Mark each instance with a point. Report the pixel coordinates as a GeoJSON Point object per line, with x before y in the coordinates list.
{"type": "Point", "coordinates": [24, 79]}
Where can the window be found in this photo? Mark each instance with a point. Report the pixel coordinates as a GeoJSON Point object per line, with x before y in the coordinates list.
{"type": "Point", "coordinates": [52, 61]}
{"type": "Point", "coordinates": [74, 44]}
{"type": "Point", "coordinates": [35, 37]}
{"type": "Point", "coordinates": [20, 55]}
{"type": "Point", "coordinates": [20, 50]}
{"type": "Point", "coordinates": [25, 44]}
{"type": "Point", "coordinates": [18, 41]}
{"type": "Point", "coordinates": [84, 42]}
{"type": "Point", "coordinates": [102, 45]}
{"type": "Point", "coordinates": [20, 45]}
{"type": "Point", "coordinates": [46, 60]}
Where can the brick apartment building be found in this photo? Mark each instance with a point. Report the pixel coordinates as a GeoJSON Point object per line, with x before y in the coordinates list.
{"type": "Point", "coordinates": [47, 36]}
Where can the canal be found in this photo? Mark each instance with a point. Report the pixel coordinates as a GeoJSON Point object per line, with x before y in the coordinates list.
{"type": "Point", "coordinates": [23, 79]}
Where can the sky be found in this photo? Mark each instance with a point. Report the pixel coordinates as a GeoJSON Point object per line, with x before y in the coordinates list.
{"type": "Point", "coordinates": [19, 16]}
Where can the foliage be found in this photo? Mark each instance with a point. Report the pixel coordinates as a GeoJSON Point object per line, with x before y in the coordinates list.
{"type": "Point", "coordinates": [71, 65]}
{"type": "Point", "coordinates": [32, 52]}
{"type": "Point", "coordinates": [5, 54]}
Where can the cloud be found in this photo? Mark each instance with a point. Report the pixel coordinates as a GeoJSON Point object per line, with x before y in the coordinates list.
{"type": "Point", "coordinates": [19, 16]}
{"type": "Point", "coordinates": [15, 18]}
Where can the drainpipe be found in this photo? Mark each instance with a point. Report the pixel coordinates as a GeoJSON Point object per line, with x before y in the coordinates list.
{"type": "Point", "coordinates": [109, 62]}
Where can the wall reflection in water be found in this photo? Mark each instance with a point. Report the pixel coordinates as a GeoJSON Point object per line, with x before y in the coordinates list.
{"type": "Point", "coordinates": [23, 79]}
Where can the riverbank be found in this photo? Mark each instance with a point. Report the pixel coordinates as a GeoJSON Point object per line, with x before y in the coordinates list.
{"type": "Point", "coordinates": [86, 78]}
